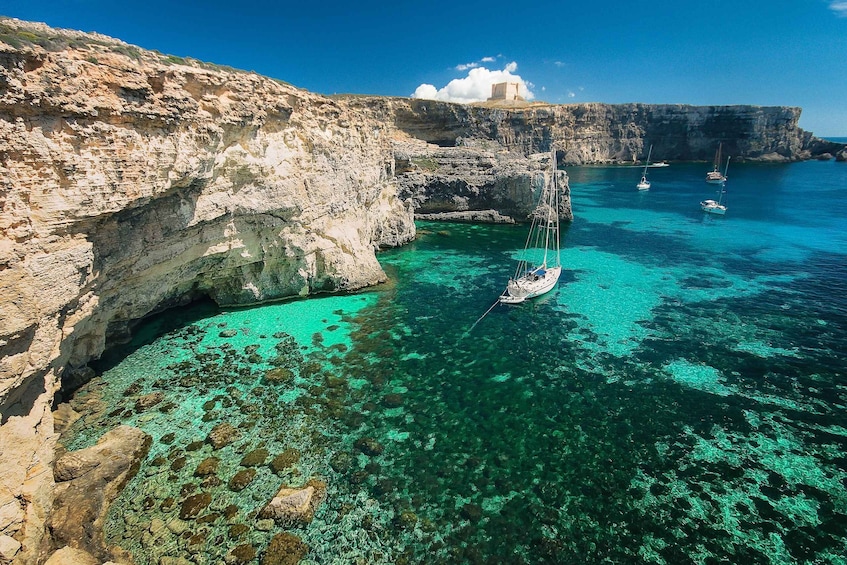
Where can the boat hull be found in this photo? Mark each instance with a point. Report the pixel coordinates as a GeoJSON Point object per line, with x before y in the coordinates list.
{"type": "Point", "coordinates": [712, 207]}
{"type": "Point", "coordinates": [715, 181]}
{"type": "Point", "coordinates": [643, 186]}
{"type": "Point", "coordinates": [530, 286]}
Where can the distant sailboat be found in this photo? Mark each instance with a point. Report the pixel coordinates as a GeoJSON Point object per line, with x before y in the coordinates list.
{"type": "Point", "coordinates": [644, 184]}
{"type": "Point", "coordinates": [539, 277]}
{"type": "Point", "coordinates": [717, 206]}
{"type": "Point", "coordinates": [715, 176]}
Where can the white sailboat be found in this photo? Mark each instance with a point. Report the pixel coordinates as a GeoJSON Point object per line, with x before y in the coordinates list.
{"type": "Point", "coordinates": [644, 184]}
{"type": "Point", "coordinates": [715, 176]}
{"type": "Point", "coordinates": [717, 206]}
{"type": "Point", "coordinates": [534, 278]}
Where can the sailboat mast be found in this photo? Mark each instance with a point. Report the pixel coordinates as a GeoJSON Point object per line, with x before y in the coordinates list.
{"type": "Point", "coordinates": [722, 190]}
{"type": "Point", "coordinates": [547, 212]}
{"type": "Point", "coordinates": [647, 163]}
{"type": "Point", "coordinates": [556, 210]}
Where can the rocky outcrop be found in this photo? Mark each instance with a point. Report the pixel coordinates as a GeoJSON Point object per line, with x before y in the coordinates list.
{"type": "Point", "coordinates": [474, 183]}
{"type": "Point", "coordinates": [292, 506]}
{"type": "Point", "coordinates": [131, 182]}
{"type": "Point", "coordinates": [87, 482]}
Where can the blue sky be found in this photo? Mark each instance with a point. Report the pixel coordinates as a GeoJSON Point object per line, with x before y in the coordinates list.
{"type": "Point", "coordinates": [777, 52]}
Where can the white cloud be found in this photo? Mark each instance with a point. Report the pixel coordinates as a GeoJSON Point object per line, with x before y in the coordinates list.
{"type": "Point", "coordinates": [466, 66]}
{"type": "Point", "coordinates": [487, 59]}
{"type": "Point", "coordinates": [571, 94]}
{"type": "Point", "coordinates": [839, 7]}
{"type": "Point", "coordinates": [475, 87]}
{"type": "Point", "coordinates": [559, 63]}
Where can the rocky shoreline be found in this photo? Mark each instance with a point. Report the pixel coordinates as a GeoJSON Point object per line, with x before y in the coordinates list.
{"type": "Point", "coordinates": [133, 182]}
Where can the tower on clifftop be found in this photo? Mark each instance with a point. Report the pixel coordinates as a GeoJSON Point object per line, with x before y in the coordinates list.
{"type": "Point", "coordinates": [505, 91]}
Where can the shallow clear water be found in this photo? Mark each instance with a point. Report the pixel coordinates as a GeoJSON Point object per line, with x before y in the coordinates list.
{"type": "Point", "coordinates": [679, 398]}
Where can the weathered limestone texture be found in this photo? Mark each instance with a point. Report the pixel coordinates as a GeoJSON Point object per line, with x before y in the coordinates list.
{"type": "Point", "coordinates": [474, 184]}
{"type": "Point", "coordinates": [614, 133]}
{"type": "Point", "coordinates": [130, 182]}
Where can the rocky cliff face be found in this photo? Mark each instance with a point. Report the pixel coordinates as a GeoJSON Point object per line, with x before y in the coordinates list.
{"type": "Point", "coordinates": [615, 133]}
{"type": "Point", "coordinates": [130, 182]}
{"type": "Point", "coordinates": [462, 181]}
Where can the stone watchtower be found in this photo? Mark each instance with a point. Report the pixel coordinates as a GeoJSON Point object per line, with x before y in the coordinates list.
{"type": "Point", "coordinates": [505, 91]}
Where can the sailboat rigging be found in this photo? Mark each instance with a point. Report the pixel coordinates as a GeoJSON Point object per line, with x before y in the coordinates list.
{"type": "Point", "coordinates": [644, 184]}
{"type": "Point", "coordinates": [717, 206]}
{"type": "Point", "coordinates": [534, 278]}
{"type": "Point", "coordinates": [715, 176]}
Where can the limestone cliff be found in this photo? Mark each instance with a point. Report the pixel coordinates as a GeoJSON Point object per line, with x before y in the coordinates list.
{"type": "Point", "coordinates": [452, 180]}
{"type": "Point", "coordinates": [131, 181]}
{"type": "Point", "coordinates": [615, 133]}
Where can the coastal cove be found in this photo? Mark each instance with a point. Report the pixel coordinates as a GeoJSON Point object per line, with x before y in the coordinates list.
{"type": "Point", "coordinates": [680, 397]}
{"type": "Point", "coordinates": [303, 383]}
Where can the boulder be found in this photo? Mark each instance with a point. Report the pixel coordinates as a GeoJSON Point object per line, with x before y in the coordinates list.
{"type": "Point", "coordinates": [74, 464]}
{"type": "Point", "coordinates": [222, 435]}
{"type": "Point", "coordinates": [295, 506]}
{"type": "Point", "coordinates": [93, 478]}
{"type": "Point", "coordinates": [149, 400]}
{"type": "Point", "coordinates": [284, 549]}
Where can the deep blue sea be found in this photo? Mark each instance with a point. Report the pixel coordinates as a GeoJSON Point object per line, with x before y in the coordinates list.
{"type": "Point", "coordinates": [680, 397]}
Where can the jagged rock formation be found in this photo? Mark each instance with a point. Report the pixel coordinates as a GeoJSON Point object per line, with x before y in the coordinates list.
{"type": "Point", "coordinates": [476, 183]}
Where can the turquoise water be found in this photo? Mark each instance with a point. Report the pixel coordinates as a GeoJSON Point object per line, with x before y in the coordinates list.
{"type": "Point", "coordinates": [679, 398]}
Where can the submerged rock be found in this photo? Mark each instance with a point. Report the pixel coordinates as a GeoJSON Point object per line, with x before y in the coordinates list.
{"type": "Point", "coordinates": [208, 466]}
{"type": "Point", "coordinates": [279, 375]}
{"type": "Point", "coordinates": [285, 460]}
{"type": "Point", "coordinates": [222, 435]}
{"type": "Point", "coordinates": [295, 506]}
{"type": "Point", "coordinates": [392, 400]}
{"type": "Point", "coordinates": [243, 553]}
{"type": "Point", "coordinates": [369, 446]}
{"type": "Point", "coordinates": [284, 549]}
{"type": "Point", "coordinates": [241, 479]}
{"type": "Point", "coordinates": [255, 457]}
{"type": "Point", "coordinates": [472, 512]}
{"type": "Point", "coordinates": [149, 400]}
{"type": "Point", "coordinates": [194, 505]}
{"type": "Point", "coordinates": [341, 462]}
